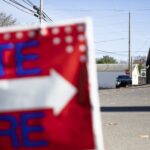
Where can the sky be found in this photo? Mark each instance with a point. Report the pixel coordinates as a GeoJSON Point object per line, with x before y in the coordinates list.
{"type": "Point", "coordinates": [110, 22]}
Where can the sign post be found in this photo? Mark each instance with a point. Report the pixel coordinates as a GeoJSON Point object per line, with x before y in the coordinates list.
{"type": "Point", "coordinates": [48, 89]}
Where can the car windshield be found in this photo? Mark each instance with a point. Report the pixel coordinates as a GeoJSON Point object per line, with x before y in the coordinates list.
{"type": "Point", "coordinates": [123, 77]}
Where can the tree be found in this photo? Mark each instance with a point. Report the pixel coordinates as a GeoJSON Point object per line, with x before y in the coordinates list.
{"type": "Point", "coordinates": [6, 20]}
{"type": "Point", "coordinates": [106, 60]}
{"type": "Point", "coordinates": [141, 61]}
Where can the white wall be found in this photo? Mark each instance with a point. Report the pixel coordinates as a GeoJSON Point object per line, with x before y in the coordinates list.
{"type": "Point", "coordinates": [108, 79]}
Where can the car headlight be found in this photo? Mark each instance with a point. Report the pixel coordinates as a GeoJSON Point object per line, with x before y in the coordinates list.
{"type": "Point", "coordinates": [118, 82]}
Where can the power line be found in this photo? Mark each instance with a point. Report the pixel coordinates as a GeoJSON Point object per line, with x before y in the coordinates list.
{"type": "Point", "coordinates": [28, 3]}
{"type": "Point", "coordinates": [38, 10]}
{"type": "Point", "coordinates": [91, 10]}
{"type": "Point", "coordinates": [146, 42]}
{"type": "Point", "coordinates": [32, 12]}
{"type": "Point", "coordinates": [96, 10]}
{"type": "Point", "coordinates": [15, 2]}
{"type": "Point", "coordinates": [17, 7]}
{"type": "Point", "coordinates": [110, 52]}
{"type": "Point", "coordinates": [97, 42]}
{"type": "Point", "coordinates": [44, 14]}
{"type": "Point", "coordinates": [36, 13]}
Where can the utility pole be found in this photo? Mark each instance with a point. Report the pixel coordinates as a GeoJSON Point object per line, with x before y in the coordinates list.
{"type": "Point", "coordinates": [41, 10]}
{"type": "Point", "coordinates": [131, 67]}
{"type": "Point", "coordinates": [129, 53]}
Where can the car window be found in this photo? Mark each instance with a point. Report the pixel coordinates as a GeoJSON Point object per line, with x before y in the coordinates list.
{"type": "Point", "coordinates": [123, 77]}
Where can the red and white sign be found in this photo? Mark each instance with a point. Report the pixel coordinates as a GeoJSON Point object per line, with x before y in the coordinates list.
{"type": "Point", "coordinates": [48, 97]}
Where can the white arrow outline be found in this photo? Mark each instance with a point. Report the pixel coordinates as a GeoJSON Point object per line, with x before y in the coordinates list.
{"type": "Point", "coordinates": [52, 91]}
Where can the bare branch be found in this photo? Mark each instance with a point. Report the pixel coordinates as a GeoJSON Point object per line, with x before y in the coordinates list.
{"type": "Point", "coordinates": [7, 20]}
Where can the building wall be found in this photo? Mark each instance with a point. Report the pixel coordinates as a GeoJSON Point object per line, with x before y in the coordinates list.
{"type": "Point", "coordinates": [148, 76]}
{"type": "Point", "coordinates": [108, 79]}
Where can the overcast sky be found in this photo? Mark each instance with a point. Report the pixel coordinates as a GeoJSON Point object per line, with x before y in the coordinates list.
{"type": "Point", "coordinates": [110, 19]}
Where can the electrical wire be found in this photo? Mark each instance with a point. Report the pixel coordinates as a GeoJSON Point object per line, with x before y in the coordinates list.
{"type": "Point", "coordinates": [110, 40]}
{"type": "Point", "coordinates": [43, 13]}
{"type": "Point", "coordinates": [27, 3]}
{"type": "Point", "coordinates": [15, 2]}
{"type": "Point", "coordinates": [36, 13]}
{"type": "Point", "coordinates": [32, 12]}
{"type": "Point", "coordinates": [101, 51]}
{"type": "Point", "coordinates": [17, 7]}
{"type": "Point", "coordinates": [38, 10]}
{"type": "Point", "coordinates": [146, 42]}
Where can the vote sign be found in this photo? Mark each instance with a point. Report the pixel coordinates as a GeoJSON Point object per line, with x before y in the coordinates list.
{"type": "Point", "coordinates": [44, 88]}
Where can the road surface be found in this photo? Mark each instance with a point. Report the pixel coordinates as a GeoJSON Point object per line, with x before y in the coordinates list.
{"type": "Point", "coordinates": [126, 118]}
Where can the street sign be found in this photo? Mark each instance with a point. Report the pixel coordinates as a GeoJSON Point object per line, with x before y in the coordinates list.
{"type": "Point", "coordinates": [48, 98]}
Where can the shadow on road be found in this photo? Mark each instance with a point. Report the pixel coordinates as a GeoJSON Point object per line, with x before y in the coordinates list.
{"type": "Point", "coordinates": [125, 109]}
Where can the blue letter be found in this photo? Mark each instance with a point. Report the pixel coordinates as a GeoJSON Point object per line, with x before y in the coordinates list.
{"type": "Point", "coordinates": [12, 131]}
{"type": "Point", "coordinates": [26, 129]}
{"type": "Point", "coordinates": [20, 58]}
{"type": "Point", "coordinates": [3, 47]}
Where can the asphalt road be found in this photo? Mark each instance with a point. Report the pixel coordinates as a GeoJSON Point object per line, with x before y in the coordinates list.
{"type": "Point", "coordinates": [126, 118]}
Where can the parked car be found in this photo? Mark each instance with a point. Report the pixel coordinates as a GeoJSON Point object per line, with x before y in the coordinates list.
{"type": "Point", "coordinates": [123, 81]}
